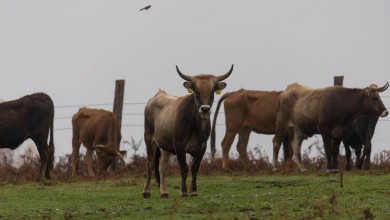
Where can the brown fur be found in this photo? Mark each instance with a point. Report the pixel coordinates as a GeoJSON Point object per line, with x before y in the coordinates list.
{"type": "Point", "coordinates": [179, 125]}
{"type": "Point", "coordinates": [94, 128]}
{"type": "Point", "coordinates": [286, 104]}
{"type": "Point", "coordinates": [246, 111]}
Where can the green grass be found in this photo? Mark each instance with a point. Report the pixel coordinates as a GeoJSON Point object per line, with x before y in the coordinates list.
{"type": "Point", "coordinates": [311, 196]}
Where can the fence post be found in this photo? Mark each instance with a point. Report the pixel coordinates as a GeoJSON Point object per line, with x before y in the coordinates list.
{"type": "Point", "coordinates": [118, 100]}
{"type": "Point", "coordinates": [338, 80]}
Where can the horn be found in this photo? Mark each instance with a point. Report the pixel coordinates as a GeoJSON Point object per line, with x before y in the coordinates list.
{"type": "Point", "coordinates": [185, 77]}
{"type": "Point", "coordinates": [226, 75]}
{"type": "Point", "coordinates": [383, 88]}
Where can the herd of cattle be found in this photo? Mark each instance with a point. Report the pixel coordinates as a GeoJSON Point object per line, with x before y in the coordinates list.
{"type": "Point", "coordinates": [181, 125]}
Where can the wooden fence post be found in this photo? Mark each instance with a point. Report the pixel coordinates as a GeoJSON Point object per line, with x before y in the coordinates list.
{"type": "Point", "coordinates": [118, 100]}
{"type": "Point", "coordinates": [338, 80]}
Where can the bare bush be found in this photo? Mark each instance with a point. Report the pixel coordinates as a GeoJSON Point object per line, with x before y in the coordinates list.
{"type": "Point", "coordinates": [258, 163]}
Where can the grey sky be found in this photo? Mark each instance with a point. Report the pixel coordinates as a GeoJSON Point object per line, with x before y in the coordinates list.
{"type": "Point", "coordinates": [75, 50]}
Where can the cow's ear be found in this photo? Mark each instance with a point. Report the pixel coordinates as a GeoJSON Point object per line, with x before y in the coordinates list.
{"type": "Point", "coordinates": [220, 86]}
{"type": "Point", "coordinates": [188, 86]}
{"type": "Point", "coordinates": [369, 91]}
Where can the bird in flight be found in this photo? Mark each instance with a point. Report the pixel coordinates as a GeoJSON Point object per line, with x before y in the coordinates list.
{"type": "Point", "coordinates": [145, 8]}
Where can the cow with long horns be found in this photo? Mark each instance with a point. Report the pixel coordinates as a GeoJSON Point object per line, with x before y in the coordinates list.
{"type": "Point", "coordinates": [180, 125]}
{"type": "Point", "coordinates": [331, 112]}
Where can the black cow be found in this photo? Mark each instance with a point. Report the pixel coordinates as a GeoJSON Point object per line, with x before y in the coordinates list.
{"type": "Point", "coordinates": [29, 117]}
{"type": "Point", "coordinates": [361, 135]}
{"type": "Point", "coordinates": [331, 112]}
{"type": "Point", "coordinates": [180, 125]}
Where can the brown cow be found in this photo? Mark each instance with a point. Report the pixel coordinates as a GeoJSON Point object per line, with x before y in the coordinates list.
{"type": "Point", "coordinates": [29, 117]}
{"type": "Point", "coordinates": [96, 129]}
{"type": "Point", "coordinates": [247, 111]}
{"type": "Point", "coordinates": [331, 112]}
{"type": "Point", "coordinates": [286, 104]}
{"type": "Point", "coordinates": [180, 125]}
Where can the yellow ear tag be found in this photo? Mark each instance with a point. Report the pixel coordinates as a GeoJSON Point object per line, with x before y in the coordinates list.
{"type": "Point", "coordinates": [190, 90]}
{"type": "Point", "coordinates": [218, 91]}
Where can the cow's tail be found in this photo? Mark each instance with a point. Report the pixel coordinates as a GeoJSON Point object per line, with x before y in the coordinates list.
{"type": "Point", "coordinates": [51, 143]}
{"type": "Point", "coordinates": [212, 136]}
{"type": "Point", "coordinates": [157, 156]}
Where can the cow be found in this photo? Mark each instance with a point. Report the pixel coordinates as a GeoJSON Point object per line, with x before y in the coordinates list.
{"type": "Point", "coordinates": [180, 125]}
{"type": "Point", "coordinates": [331, 112]}
{"type": "Point", "coordinates": [29, 117]}
{"type": "Point", "coordinates": [287, 100]}
{"type": "Point", "coordinates": [247, 111]}
{"type": "Point", "coordinates": [360, 135]}
{"type": "Point", "coordinates": [98, 130]}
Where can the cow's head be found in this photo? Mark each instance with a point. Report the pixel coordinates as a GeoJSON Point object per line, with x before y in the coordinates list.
{"type": "Point", "coordinates": [203, 87]}
{"type": "Point", "coordinates": [106, 155]}
{"type": "Point", "coordinates": [373, 101]}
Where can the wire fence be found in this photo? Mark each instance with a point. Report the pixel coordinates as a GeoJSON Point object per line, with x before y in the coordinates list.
{"type": "Point", "coordinates": [136, 114]}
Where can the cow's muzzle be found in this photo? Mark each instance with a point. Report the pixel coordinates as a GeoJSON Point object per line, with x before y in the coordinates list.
{"type": "Point", "coordinates": [384, 113]}
{"type": "Point", "coordinates": [204, 111]}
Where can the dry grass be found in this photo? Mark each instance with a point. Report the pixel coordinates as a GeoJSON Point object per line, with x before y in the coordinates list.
{"type": "Point", "coordinates": [259, 163]}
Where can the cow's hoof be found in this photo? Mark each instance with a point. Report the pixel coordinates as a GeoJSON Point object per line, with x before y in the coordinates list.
{"type": "Point", "coordinates": [348, 168]}
{"type": "Point", "coordinates": [146, 195]}
{"type": "Point", "coordinates": [275, 170]}
{"type": "Point", "coordinates": [193, 194]}
{"type": "Point", "coordinates": [164, 195]}
{"type": "Point", "coordinates": [184, 194]}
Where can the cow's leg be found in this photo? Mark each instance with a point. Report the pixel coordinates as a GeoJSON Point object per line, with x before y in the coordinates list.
{"type": "Point", "coordinates": [163, 166]}
{"type": "Point", "coordinates": [327, 139]}
{"type": "Point", "coordinates": [44, 157]}
{"type": "Point", "coordinates": [347, 155]}
{"type": "Point", "coordinates": [227, 142]}
{"type": "Point", "coordinates": [367, 156]}
{"type": "Point", "coordinates": [50, 161]}
{"type": "Point", "coordinates": [243, 138]}
{"type": "Point", "coordinates": [296, 144]}
{"type": "Point", "coordinates": [150, 151]}
{"type": "Point", "coordinates": [287, 147]}
{"type": "Point", "coordinates": [194, 171]}
{"type": "Point", "coordinates": [335, 153]}
{"type": "Point", "coordinates": [181, 157]}
{"type": "Point", "coordinates": [281, 132]}
{"type": "Point", "coordinates": [358, 154]}
{"type": "Point", "coordinates": [276, 148]}
{"type": "Point", "coordinates": [88, 160]}
{"type": "Point", "coordinates": [75, 156]}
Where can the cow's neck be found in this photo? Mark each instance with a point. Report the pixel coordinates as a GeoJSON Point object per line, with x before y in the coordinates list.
{"type": "Point", "coordinates": [192, 119]}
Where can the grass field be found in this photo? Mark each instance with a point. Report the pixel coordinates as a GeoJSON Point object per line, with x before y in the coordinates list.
{"type": "Point", "coordinates": [364, 195]}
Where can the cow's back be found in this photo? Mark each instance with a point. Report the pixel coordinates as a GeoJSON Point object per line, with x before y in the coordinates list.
{"type": "Point", "coordinates": [95, 126]}
{"type": "Point", "coordinates": [306, 112]}
{"type": "Point", "coordinates": [160, 117]}
{"type": "Point", "coordinates": [28, 117]}
{"type": "Point", "coordinates": [287, 102]}
{"type": "Point", "coordinates": [254, 109]}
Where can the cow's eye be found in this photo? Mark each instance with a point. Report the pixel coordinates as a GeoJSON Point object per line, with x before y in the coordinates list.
{"type": "Point", "coordinates": [196, 92]}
